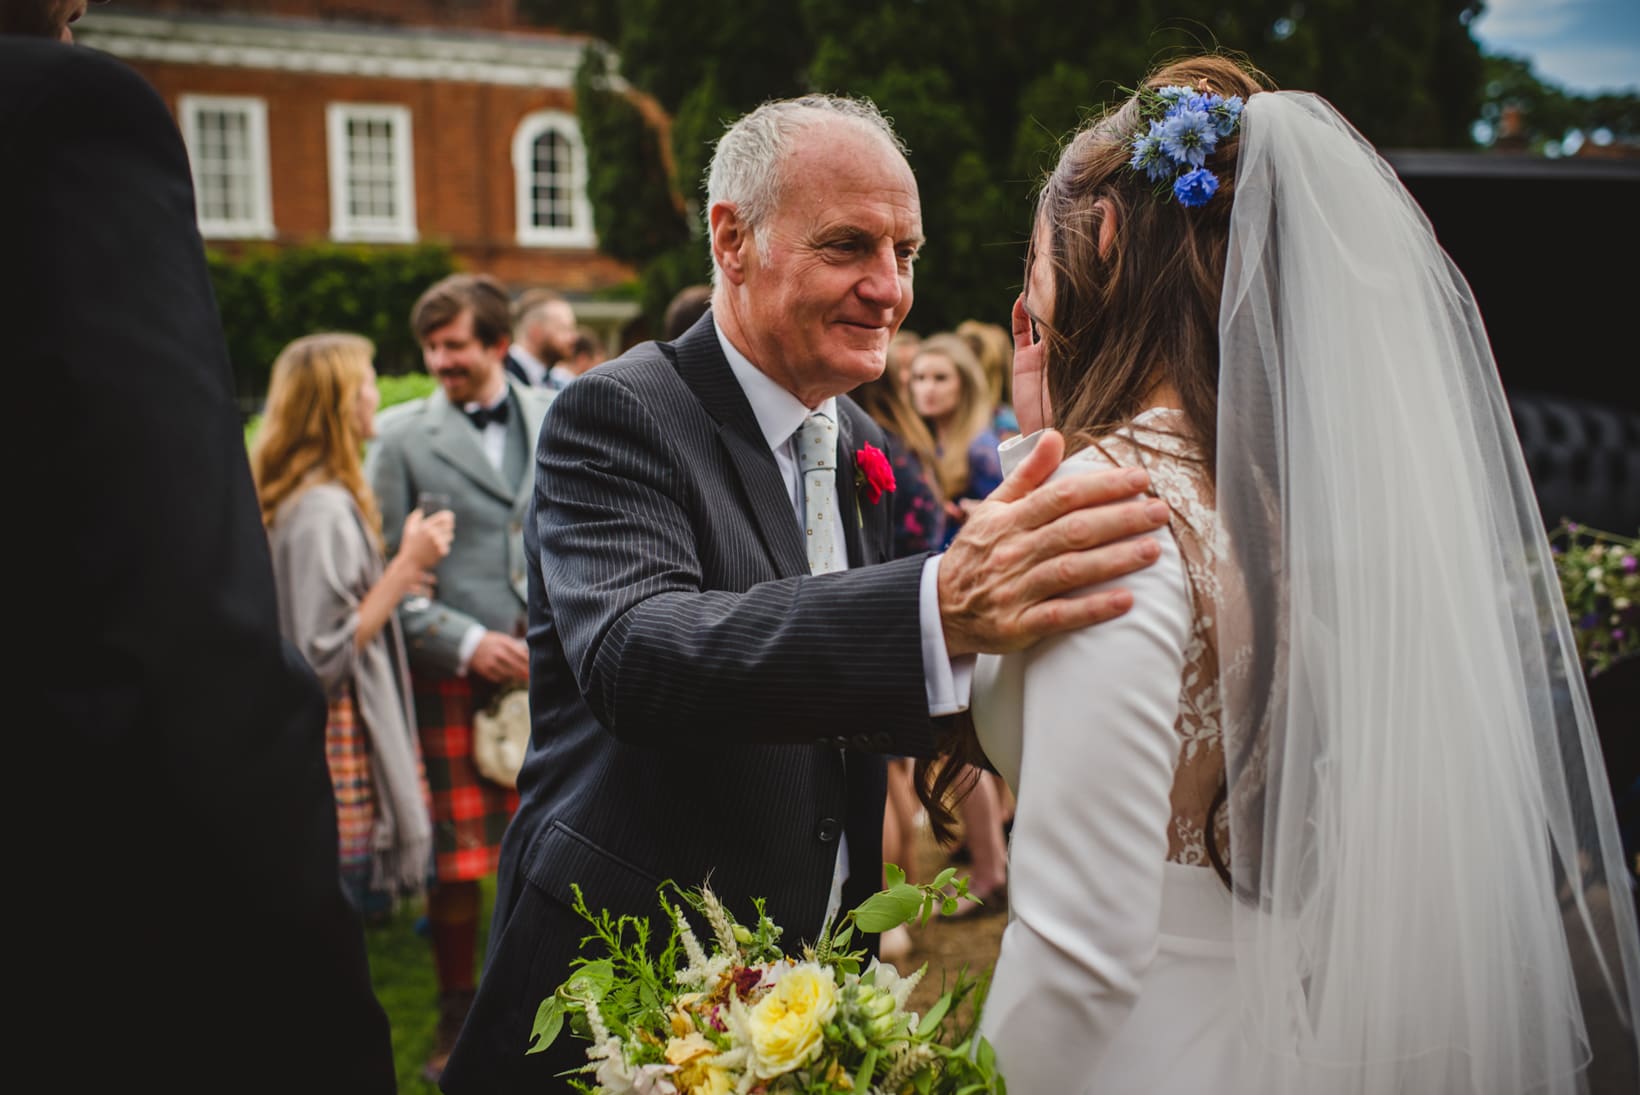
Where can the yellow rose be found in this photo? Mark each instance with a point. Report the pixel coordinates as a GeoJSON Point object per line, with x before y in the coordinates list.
{"type": "Point", "coordinates": [707, 1079]}
{"type": "Point", "coordinates": [787, 1025]}
{"type": "Point", "coordinates": [680, 1051]}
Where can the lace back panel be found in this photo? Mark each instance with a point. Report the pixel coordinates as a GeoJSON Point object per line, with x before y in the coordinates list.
{"type": "Point", "coordinates": [1158, 441]}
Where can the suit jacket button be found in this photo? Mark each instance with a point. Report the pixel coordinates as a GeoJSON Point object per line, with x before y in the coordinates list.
{"type": "Point", "coordinates": [827, 830]}
{"type": "Point", "coordinates": [861, 741]}
{"type": "Point", "coordinates": [881, 740]}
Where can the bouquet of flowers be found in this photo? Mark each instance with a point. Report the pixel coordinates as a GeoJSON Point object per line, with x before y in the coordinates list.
{"type": "Point", "coordinates": [739, 1015]}
{"type": "Point", "coordinates": [1600, 577]}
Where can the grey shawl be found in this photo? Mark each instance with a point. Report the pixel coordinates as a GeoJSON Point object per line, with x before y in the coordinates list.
{"type": "Point", "coordinates": [324, 562]}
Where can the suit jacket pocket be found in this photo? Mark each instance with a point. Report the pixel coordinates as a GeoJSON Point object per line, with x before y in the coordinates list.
{"type": "Point", "coordinates": [563, 856]}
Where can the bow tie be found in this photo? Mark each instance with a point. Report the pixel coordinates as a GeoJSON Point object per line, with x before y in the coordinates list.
{"type": "Point", "coordinates": [483, 416]}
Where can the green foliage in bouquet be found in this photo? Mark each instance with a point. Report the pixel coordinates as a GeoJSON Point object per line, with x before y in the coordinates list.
{"type": "Point", "coordinates": [1600, 578]}
{"type": "Point", "coordinates": [741, 1016]}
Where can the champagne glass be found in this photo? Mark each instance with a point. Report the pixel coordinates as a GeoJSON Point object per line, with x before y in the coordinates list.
{"type": "Point", "coordinates": [429, 502]}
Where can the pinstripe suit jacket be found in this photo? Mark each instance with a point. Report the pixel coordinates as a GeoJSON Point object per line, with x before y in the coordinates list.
{"type": "Point", "coordinates": [690, 682]}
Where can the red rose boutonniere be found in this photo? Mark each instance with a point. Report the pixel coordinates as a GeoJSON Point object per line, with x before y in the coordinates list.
{"type": "Point", "coordinates": [872, 473]}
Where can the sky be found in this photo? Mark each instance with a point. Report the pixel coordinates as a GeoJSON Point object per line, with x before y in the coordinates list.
{"type": "Point", "coordinates": [1584, 46]}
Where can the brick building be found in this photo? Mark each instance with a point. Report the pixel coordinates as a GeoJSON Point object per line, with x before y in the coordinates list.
{"type": "Point", "coordinates": [380, 121]}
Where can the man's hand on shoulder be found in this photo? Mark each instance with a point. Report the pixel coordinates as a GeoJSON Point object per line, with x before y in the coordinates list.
{"type": "Point", "coordinates": [1004, 580]}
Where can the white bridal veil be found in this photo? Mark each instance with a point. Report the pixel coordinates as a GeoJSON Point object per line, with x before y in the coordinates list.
{"type": "Point", "coordinates": [1433, 896]}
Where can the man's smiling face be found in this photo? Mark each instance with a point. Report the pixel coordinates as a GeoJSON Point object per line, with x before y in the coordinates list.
{"type": "Point", "coordinates": [831, 282]}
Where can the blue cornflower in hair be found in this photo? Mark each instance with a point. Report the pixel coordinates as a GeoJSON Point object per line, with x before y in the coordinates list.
{"type": "Point", "coordinates": [1148, 155]}
{"type": "Point", "coordinates": [1188, 136]}
{"type": "Point", "coordinates": [1175, 94]}
{"type": "Point", "coordinates": [1226, 113]}
{"type": "Point", "coordinates": [1194, 188]}
{"type": "Point", "coordinates": [1204, 102]}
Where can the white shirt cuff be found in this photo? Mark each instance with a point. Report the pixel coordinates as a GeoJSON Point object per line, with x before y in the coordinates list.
{"type": "Point", "coordinates": [949, 681]}
{"type": "Point", "coordinates": [469, 643]}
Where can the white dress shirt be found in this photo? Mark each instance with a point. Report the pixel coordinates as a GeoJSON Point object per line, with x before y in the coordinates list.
{"type": "Point", "coordinates": [779, 415]}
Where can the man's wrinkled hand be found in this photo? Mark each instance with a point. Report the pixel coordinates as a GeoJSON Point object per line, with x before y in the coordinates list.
{"type": "Point", "coordinates": [1005, 579]}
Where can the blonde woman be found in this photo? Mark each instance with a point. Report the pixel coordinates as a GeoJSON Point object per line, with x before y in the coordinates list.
{"type": "Point", "coordinates": [950, 392]}
{"type": "Point", "coordinates": [994, 347]}
{"type": "Point", "coordinates": [337, 598]}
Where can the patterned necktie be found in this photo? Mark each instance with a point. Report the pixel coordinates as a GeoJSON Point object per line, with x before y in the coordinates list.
{"type": "Point", "coordinates": [817, 458]}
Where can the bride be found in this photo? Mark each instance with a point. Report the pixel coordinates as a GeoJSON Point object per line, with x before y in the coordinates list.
{"type": "Point", "coordinates": [1324, 813]}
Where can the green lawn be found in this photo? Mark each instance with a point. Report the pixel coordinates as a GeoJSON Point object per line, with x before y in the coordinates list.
{"type": "Point", "coordinates": [401, 968]}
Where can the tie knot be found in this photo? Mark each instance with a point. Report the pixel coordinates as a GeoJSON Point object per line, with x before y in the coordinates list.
{"type": "Point", "coordinates": [483, 416]}
{"type": "Point", "coordinates": [817, 443]}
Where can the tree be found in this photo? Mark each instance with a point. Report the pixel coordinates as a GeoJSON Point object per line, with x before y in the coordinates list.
{"type": "Point", "coordinates": [1538, 117]}
{"type": "Point", "coordinates": [267, 297]}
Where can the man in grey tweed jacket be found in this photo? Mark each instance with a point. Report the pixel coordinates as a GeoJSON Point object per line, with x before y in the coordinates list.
{"type": "Point", "coordinates": [710, 698]}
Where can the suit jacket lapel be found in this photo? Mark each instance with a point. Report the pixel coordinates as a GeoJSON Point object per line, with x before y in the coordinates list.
{"type": "Point", "coordinates": [454, 441]}
{"type": "Point", "coordinates": [849, 506]}
{"type": "Point", "coordinates": [515, 369]}
{"type": "Point", "coordinates": [703, 367]}
{"type": "Point", "coordinates": [532, 411]}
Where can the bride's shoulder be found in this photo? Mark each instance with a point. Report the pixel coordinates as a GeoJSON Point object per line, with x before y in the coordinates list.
{"type": "Point", "coordinates": [1158, 436]}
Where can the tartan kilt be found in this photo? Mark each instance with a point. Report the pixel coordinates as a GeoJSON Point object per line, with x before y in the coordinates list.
{"type": "Point", "coordinates": [347, 754]}
{"type": "Point", "coordinates": [470, 813]}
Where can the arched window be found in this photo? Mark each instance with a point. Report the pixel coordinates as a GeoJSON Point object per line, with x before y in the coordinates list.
{"type": "Point", "coordinates": [549, 164]}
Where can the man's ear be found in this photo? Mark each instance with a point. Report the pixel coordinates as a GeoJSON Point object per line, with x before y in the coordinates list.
{"type": "Point", "coordinates": [1107, 225]}
{"type": "Point", "coordinates": [731, 239]}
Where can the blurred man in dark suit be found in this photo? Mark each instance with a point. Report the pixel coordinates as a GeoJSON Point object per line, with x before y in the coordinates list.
{"type": "Point", "coordinates": [176, 903]}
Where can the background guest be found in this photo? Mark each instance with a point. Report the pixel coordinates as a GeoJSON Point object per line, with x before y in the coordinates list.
{"type": "Point", "coordinates": [949, 391]}
{"type": "Point", "coordinates": [472, 440]}
{"type": "Point", "coordinates": [188, 856]}
{"type": "Point", "coordinates": [688, 305]}
{"type": "Point", "coordinates": [586, 351]}
{"type": "Point", "coordinates": [901, 349]}
{"type": "Point", "coordinates": [543, 337]}
{"type": "Point", "coordinates": [994, 347]}
{"type": "Point", "coordinates": [337, 602]}
{"type": "Point", "coordinates": [919, 516]}
{"type": "Point", "coordinates": [919, 526]}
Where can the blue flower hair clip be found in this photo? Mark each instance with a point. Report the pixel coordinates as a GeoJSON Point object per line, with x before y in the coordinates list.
{"type": "Point", "coordinates": [1182, 128]}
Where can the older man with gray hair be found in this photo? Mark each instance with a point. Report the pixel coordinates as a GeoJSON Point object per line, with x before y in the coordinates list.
{"type": "Point", "coordinates": [722, 649]}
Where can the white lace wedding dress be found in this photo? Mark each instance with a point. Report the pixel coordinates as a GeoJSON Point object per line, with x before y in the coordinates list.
{"type": "Point", "coordinates": [1116, 971]}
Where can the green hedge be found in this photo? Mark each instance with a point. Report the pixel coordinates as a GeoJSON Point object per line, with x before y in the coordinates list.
{"type": "Point", "coordinates": [268, 297]}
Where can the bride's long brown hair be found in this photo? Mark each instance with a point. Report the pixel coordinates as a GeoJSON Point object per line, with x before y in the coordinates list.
{"type": "Point", "coordinates": [1139, 316]}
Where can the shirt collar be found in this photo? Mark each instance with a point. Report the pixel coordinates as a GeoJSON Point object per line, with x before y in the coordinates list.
{"type": "Point", "coordinates": [534, 367]}
{"type": "Point", "coordinates": [779, 413]}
